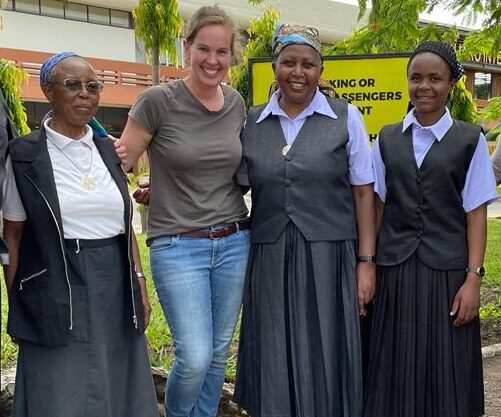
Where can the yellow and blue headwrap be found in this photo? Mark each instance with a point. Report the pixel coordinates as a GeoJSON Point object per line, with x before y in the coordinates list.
{"type": "Point", "coordinates": [50, 63]}
{"type": "Point", "coordinates": [287, 34]}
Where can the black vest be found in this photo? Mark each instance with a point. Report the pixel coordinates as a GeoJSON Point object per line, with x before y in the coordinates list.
{"type": "Point", "coordinates": [41, 313]}
{"type": "Point", "coordinates": [423, 212]}
{"type": "Point", "coordinates": [308, 186]}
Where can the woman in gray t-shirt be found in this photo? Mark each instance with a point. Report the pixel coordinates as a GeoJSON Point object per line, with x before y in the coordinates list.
{"type": "Point", "coordinates": [197, 231]}
{"type": "Point", "coordinates": [496, 162]}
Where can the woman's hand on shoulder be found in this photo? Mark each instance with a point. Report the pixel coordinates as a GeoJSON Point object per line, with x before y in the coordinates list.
{"type": "Point", "coordinates": [121, 151]}
{"type": "Point", "coordinates": [467, 301]}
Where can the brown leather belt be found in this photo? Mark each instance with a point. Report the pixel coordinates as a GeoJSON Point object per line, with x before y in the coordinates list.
{"type": "Point", "coordinates": [219, 232]}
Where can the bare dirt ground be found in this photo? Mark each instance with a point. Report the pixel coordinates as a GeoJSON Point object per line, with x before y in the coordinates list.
{"type": "Point", "coordinates": [492, 381]}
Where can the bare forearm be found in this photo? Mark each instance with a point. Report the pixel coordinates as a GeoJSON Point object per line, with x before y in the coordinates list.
{"type": "Point", "coordinates": [379, 212]}
{"type": "Point", "coordinates": [467, 300]}
{"type": "Point", "coordinates": [136, 256]}
{"type": "Point", "coordinates": [132, 143]}
{"type": "Point", "coordinates": [366, 218]}
{"type": "Point", "coordinates": [9, 271]}
{"type": "Point", "coordinates": [476, 230]}
{"type": "Point", "coordinates": [12, 235]}
{"type": "Point", "coordinates": [141, 280]}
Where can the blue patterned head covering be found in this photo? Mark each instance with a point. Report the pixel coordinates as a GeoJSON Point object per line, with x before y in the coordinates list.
{"type": "Point", "coordinates": [50, 63]}
{"type": "Point", "coordinates": [286, 34]}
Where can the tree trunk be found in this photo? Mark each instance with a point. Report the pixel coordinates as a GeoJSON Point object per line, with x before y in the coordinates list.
{"type": "Point", "coordinates": [155, 66]}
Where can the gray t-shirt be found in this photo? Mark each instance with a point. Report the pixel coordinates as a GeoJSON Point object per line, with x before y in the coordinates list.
{"type": "Point", "coordinates": [496, 162]}
{"type": "Point", "coordinates": [194, 154]}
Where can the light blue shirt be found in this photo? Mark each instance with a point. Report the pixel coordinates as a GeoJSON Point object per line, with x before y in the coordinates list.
{"type": "Point", "coordinates": [357, 148]}
{"type": "Point", "coordinates": [479, 187]}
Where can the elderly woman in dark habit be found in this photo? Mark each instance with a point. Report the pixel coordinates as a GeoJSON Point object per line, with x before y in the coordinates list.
{"type": "Point", "coordinates": [77, 297]}
{"type": "Point", "coordinates": [307, 160]}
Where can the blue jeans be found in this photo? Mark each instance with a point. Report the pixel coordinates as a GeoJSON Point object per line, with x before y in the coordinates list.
{"type": "Point", "coordinates": [199, 282]}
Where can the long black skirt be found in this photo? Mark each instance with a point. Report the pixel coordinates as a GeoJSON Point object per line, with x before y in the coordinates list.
{"type": "Point", "coordinates": [104, 370]}
{"type": "Point", "coordinates": [299, 352]}
{"type": "Point", "coordinates": [420, 365]}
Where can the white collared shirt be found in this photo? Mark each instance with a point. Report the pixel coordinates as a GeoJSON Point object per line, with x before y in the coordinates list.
{"type": "Point", "coordinates": [479, 187]}
{"type": "Point", "coordinates": [86, 214]}
{"type": "Point", "coordinates": [357, 148]}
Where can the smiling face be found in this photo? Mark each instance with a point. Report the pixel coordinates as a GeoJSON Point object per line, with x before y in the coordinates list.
{"type": "Point", "coordinates": [297, 71]}
{"type": "Point", "coordinates": [210, 55]}
{"type": "Point", "coordinates": [429, 82]}
{"type": "Point", "coordinates": [72, 110]}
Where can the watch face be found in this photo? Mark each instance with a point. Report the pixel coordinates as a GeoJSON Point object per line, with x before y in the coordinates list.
{"type": "Point", "coordinates": [481, 271]}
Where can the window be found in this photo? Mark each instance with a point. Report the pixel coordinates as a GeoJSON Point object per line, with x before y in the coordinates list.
{"type": "Point", "coordinates": [28, 6]}
{"type": "Point", "coordinates": [75, 11]}
{"type": "Point", "coordinates": [482, 86]}
{"type": "Point", "coordinates": [99, 15]}
{"type": "Point", "coordinates": [52, 8]}
{"type": "Point", "coordinates": [164, 58]}
{"type": "Point", "coordinates": [120, 19]}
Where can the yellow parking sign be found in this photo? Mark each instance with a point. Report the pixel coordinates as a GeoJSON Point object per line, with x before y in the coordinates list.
{"type": "Point", "coordinates": [376, 84]}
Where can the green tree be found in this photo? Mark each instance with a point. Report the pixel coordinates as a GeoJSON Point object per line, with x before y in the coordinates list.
{"type": "Point", "coordinates": [157, 23]}
{"type": "Point", "coordinates": [492, 112]}
{"type": "Point", "coordinates": [11, 79]}
{"type": "Point", "coordinates": [393, 25]}
{"type": "Point", "coordinates": [260, 33]}
{"type": "Point", "coordinates": [487, 39]}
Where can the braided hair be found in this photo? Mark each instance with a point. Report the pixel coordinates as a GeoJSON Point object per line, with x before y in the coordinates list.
{"type": "Point", "coordinates": [443, 50]}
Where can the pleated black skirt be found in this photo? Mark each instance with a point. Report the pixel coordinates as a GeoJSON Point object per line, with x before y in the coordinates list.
{"type": "Point", "coordinates": [420, 365]}
{"type": "Point", "coordinates": [104, 370]}
{"type": "Point", "coordinates": [299, 352]}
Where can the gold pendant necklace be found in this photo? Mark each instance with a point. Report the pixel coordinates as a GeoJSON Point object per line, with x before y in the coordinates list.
{"type": "Point", "coordinates": [88, 183]}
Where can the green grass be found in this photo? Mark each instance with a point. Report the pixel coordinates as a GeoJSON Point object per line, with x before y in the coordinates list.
{"type": "Point", "coordinates": [491, 285]}
{"type": "Point", "coordinates": [7, 348]}
{"type": "Point", "coordinates": [160, 341]}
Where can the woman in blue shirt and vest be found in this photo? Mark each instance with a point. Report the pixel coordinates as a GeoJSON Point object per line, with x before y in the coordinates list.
{"type": "Point", "coordinates": [307, 160]}
{"type": "Point", "coordinates": [433, 182]}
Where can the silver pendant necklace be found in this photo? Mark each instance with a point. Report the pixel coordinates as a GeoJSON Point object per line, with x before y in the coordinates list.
{"type": "Point", "coordinates": [286, 149]}
{"type": "Point", "coordinates": [88, 183]}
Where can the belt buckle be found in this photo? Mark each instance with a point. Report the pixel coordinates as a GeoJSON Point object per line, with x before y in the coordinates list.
{"type": "Point", "coordinates": [212, 236]}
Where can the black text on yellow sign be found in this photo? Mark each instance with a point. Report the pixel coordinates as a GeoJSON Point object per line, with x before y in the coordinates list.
{"type": "Point", "coordinates": [376, 84]}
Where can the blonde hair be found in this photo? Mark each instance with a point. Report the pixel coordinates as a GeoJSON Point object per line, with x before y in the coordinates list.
{"type": "Point", "coordinates": [210, 15]}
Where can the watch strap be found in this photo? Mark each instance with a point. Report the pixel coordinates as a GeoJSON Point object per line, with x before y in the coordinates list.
{"type": "Point", "coordinates": [366, 258]}
{"type": "Point", "coordinates": [480, 271]}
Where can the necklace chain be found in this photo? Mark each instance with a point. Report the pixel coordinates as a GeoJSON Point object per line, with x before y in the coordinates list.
{"type": "Point", "coordinates": [88, 183]}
